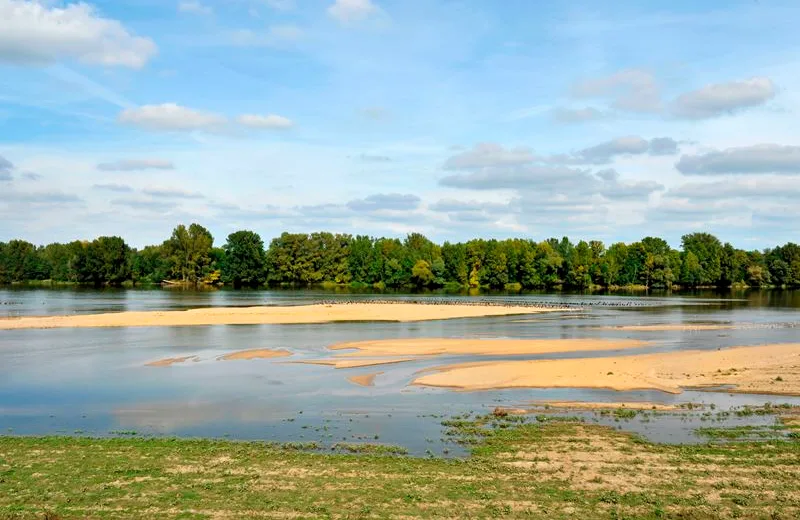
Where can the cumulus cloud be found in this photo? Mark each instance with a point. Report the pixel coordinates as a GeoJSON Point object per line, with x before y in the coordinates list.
{"type": "Point", "coordinates": [745, 188]}
{"type": "Point", "coordinates": [270, 121]}
{"type": "Point", "coordinates": [762, 158]}
{"type": "Point", "coordinates": [631, 90]}
{"type": "Point", "coordinates": [627, 145]}
{"type": "Point", "coordinates": [324, 211]}
{"type": "Point", "coordinates": [118, 188]}
{"type": "Point", "coordinates": [128, 165]}
{"type": "Point", "coordinates": [37, 32]}
{"type": "Point", "coordinates": [194, 7]}
{"type": "Point", "coordinates": [385, 201]}
{"type": "Point", "coordinates": [613, 188]}
{"type": "Point", "coordinates": [723, 98]}
{"type": "Point", "coordinates": [171, 117]}
{"type": "Point", "coordinates": [350, 11]}
{"type": "Point", "coordinates": [171, 193]}
{"type": "Point", "coordinates": [520, 177]}
{"type": "Point", "coordinates": [577, 115]}
{"type": "Point", "coordinates": [489, 154]}
{"type": "Point", "coordinates": [448, 205]}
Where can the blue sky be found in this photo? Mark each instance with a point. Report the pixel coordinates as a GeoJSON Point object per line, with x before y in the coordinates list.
{"type": "Point", "coordinates": [459, 119]}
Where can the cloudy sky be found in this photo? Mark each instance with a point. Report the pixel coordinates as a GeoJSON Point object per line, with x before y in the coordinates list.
{"type": "Point", "coordinates": [594, 119]}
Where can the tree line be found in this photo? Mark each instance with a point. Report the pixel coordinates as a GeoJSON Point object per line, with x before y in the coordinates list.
{"type": "Point", "coordinates": [189, 256]}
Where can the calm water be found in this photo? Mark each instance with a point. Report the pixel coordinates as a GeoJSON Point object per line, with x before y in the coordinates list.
{"type": "Point", "coordinates": [95, 382]}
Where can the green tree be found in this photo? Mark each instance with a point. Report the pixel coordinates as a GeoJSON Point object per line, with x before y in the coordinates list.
{"type": "Point", "coordinates": [708, 250]}
{"type": "Point", "coordinates": [421, 274]}
{"type": "Point", "coordinates": [244, 262]}
{"type": "Point", "coordinates": [189, 252]}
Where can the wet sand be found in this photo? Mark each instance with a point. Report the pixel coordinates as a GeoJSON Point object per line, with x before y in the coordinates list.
{"type": "Point", "coordinates": [170, 361]}
{"type": "Point", "coordinates": [364, 380]}
{"type": "Point", "coordinates": [261, 353]}
{"type": "Point", "coordinates": [766, 369]}
{"type": "Point", "coordinates": [319, 313]}
{"type": "Point", "coordinates": [479, 347]}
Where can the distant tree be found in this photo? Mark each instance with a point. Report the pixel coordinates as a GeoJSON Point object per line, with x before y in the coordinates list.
{"type": "Point", "coordinates": [244, 262]}
{"type": "Point", "coordinates": [189, 252]}
{"type": "Point", "coordinates": [708, 250]}
{"type": "Point", "coordinates": [692, 272]}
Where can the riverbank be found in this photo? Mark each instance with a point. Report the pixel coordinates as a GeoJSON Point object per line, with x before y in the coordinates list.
{"type": "Point", "coordinates": [299, 314]}
{"type": "Point", "coordinates": [553, 469]}
{"type": "Point", "coordinates": [765, 369]}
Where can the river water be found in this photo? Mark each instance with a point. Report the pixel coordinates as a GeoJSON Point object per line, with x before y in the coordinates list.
{"type": "Point", "coordinates": [96, 382]}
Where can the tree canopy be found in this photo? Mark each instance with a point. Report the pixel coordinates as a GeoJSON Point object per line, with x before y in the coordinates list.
{"type": "Point", "coordinates": [189, 256]}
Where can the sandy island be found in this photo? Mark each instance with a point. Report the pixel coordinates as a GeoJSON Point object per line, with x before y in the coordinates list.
{"type": "Point", "coordinates": [261, 353]}
{"type": "Point", "coordinates": [364, 380]}
{"type": "Point", "coordinates": [767, 369]}
{"type": "Point", "coordinates": [171, 361]}
{"type": "Point", "coordinates": [318, 313]}
{"type": "Point", "coordinates": [599, 405]}
{"type": "Point", "coordinates": [390, 351]}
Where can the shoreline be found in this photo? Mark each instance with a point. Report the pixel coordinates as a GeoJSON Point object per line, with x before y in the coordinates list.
{"type": "Point", "coordinates": [276, 315]}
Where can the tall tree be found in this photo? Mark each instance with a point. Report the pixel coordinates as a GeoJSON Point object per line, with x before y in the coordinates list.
{"type": "Point", "coordinates": [189, 251]}
{"type": "Point", "coordinates": [244, 261]}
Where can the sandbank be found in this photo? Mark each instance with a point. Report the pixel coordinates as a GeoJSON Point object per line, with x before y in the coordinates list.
{"type": "Point", "coordinates": [261, 353]}
{"type": "Point", "coordinates": [480, 347]}
{"type": "Point", "coordinates": [317, 313]}
{"type": "Point", "coordinates": [364, 380]}
{"type": "Point", "coordinates": [170, 361]}
{"type": "Point", "coordinates": [772, 369]}
{"type": "Point", "coordinates": [355, 363]}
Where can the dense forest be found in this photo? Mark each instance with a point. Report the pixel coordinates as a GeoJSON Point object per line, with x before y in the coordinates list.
{"type": "Point", "coordinates": [189, 257]}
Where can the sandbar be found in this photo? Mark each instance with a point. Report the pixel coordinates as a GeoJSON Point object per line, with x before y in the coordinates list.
{"type": "Point", "coordinates": [765, 369]}
{"type": "Point", "coordinates": [355, 363]}
{"type": "Point", "coordinates": [364, 380]}
{"type": "Point", "coordinates": [260, 353]}
{"type": "Point", "coordinates": [479, 347]}
{"type": "Point", "coordinates": [317, 313]}
{"type": "Point", "coordinates": [170, 361]}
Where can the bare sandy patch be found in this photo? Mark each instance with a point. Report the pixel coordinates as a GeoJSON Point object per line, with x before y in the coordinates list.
{"type": "Point", "coordinates": [318, 313]}
{"type": "Point", "coordinates": [260, 353]}
{"type": "Point", "coordinates": [480, 347]}
{"type": "Point", "coordinates": [171, 361]}
{"type": "Point", "coordinates": [355, 363]}
{"type": "Point", "coordinates": [773, 369]}
{"type": "Point", "coordinates": [365, 379]}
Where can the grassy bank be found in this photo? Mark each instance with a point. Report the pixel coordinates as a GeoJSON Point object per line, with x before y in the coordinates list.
{"type": "Point", "coordinates": [554, 469]}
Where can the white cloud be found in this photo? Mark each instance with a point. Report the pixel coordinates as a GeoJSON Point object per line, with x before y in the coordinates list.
{"type": "Point", "coordinates": [631, 90]}
{"type": "Point", "coordinates": [270, 121]}
{"type": "Point", "coordinates": [34, 32]}
{"type": "Point", "coordinates": [171, 193]}
{"type": "Point", "coordinates": [350, 11]}
{"type": "Point", "coordinates": [489, 154]}
{"type": "Point", "coordinates": [171, 117]}
{"type": "Point", "coordinates": [723, 98]}
{"type": "Point", "coordinates": [761, 158]}
{"type": "Point", "coordinates": [385, 201]}
{"type": "Point", "coordinates": [194, 7]}
{"type": "Point", "coordinates": [126, 165]}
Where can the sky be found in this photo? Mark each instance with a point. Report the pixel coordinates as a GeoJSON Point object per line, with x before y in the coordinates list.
{"type": "Point", "coordinates": [608, 120]}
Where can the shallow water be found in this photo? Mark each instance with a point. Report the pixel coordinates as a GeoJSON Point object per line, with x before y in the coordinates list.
{"type": "Point", "coordinates": [95, 382]}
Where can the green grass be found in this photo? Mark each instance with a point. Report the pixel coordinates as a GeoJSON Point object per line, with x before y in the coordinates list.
{"type": "Point", "coordinates": [519, 468]}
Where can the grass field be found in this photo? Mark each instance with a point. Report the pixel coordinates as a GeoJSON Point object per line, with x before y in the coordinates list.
{"type": "Point", "coordinates": [551, 469]}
